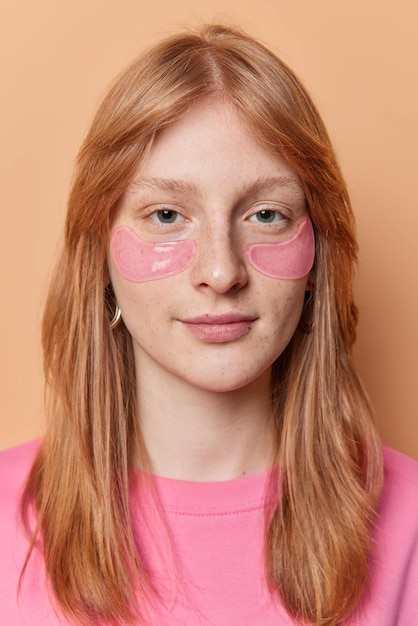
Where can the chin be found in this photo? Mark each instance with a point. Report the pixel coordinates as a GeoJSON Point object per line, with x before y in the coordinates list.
{"type": "Point", "coordinates": [230, 383]}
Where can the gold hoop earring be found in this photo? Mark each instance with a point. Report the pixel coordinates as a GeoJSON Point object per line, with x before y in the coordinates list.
{"type": "Point", "coordinates": [116, 318]}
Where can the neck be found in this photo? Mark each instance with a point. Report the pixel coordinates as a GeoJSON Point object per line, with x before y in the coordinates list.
{"type": "Point", "coordinates": [199, 435]}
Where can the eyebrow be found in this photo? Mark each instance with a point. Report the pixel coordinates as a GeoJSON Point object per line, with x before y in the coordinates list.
{"type": "Point", "coordinates": [180, 186]}
{"type": "Point", "coordinates": [163, 184]}
{"type": "Point", "coordinates": [265, 184]}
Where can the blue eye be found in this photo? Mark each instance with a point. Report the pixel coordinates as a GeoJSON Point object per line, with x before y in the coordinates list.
{"type": "Point", "coordinates": [266, 216]}
{"type": "Point", "coordinates": [166, 216]}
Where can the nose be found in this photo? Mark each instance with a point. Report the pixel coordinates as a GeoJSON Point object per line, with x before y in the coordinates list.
{"type": "Point", "coordinates": [219, 263]}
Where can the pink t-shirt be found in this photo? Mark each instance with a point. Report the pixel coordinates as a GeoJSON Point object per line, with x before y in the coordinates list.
{"type": "Point", "coordinates": [211, 569]}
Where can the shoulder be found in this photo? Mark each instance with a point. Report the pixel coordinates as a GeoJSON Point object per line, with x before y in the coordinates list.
{"type": "Point", "coordinates": [15, 464]}
{"type": "Point", "coordinates": [391, 597]}
{"type": "Point", "coordinates": [17, 456]}
{"type": "Point", "coordinates": [398, 508]}
{"type": "Point", "coordinates": [399, 462]}
{"type": "Point", "coordinates": [397, 521]}
{"type": "Point", "coordinates": [400, 480]}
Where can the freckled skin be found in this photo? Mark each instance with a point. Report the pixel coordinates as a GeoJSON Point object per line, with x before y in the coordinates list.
{"type": "Point", "coordinates": [211, 151]}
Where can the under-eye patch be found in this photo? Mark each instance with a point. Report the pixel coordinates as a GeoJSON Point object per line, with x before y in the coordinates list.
{"type": "Point", "coordinates": [140, 261]}
{"type": "Point", "coordinates": [290, 259]}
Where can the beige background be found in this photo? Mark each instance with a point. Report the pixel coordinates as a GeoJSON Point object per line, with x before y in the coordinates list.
{"type": "Point", "coordinates": [358, 58]}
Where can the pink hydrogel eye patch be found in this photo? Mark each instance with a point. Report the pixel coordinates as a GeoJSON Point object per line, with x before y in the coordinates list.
{"type": "Point", "coordinates": [290, 259]}
{"type": "Point", "coordinates": [140, 261]}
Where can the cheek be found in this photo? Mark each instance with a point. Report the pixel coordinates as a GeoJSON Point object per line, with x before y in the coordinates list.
{"type": "Point", "coordinates": [287, 310]}
{"type": "Point", "coordinates": [140, 261]}
{"type": "Point", "coordinates": [288, 260]}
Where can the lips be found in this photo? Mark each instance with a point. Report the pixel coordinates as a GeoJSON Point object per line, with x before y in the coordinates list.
{"type": "Point", "coordinates": [220, 328]}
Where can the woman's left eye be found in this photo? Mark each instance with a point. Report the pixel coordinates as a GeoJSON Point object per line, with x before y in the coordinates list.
{"type": "Point", "coordinates": [266, 216]}
{"type": "Point", "coordinates": [166, 216]}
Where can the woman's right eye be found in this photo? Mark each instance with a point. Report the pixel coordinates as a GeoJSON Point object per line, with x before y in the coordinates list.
{"type": "Point", "coordinates": [166, 216]}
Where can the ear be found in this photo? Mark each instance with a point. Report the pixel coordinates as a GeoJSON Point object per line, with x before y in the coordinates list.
{"type": "Point", "coordinates": [310, 285]}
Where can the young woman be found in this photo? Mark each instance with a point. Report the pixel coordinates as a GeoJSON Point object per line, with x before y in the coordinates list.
{"type": "Point", "coordinates": [210, 457]}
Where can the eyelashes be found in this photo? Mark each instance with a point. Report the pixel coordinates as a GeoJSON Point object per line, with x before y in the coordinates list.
{"type": "Point", "coordinates": [267, 216]}
{"type": "Point", "coordinates": [166, 218]}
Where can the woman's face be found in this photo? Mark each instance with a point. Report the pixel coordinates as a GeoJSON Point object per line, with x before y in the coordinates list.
{"type": "Point", "coordinates": [198, 307]}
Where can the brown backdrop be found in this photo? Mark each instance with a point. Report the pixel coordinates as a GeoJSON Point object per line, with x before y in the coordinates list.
{"type": "Point", "coordinates": [359, 60]}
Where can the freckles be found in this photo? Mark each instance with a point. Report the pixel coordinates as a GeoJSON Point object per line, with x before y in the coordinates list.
{"type": "Point", "coordinates": [288, 260]}
{"type": "Point", "coordinates": [140, 261]}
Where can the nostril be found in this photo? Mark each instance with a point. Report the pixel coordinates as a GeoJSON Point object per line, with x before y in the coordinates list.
{"type": "Point", "coordinates": [219, 264]}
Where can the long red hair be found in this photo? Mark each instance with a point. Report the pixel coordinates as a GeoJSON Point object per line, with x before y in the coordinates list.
{"type": "Point", "coordinates": [318, 539]}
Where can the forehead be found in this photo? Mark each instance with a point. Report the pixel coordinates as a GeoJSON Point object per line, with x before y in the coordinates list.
{"type": "Point", "coordinates": [210, 145]}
